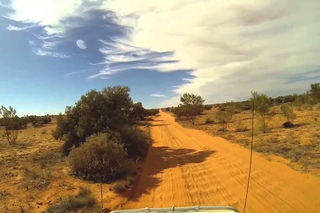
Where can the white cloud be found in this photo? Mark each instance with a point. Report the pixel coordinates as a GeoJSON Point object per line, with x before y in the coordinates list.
{"type": "Point", "coordinates": [81, 44]}
{"type": "Point", "coordinates": [42, 52]}
{"type": "Point", "coordinates": [102, 73]}
{"type": "Point", "coordinates": [158, 95]}
{"type": "Point", "coordinates": [4, 5]}
{"type": "Point", "coordinates": [44, 12]}
{"type": "Point", "coordinates": [233, 46]}
{"type": "Point", "coordinates": [14, 28]}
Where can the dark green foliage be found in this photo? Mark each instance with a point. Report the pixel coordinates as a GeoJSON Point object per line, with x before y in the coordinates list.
{"type": "Point", "coordinates": [134, 140]}
{"type": "Point", "coordinates": [84, 199]}
{"type": "Point", "coordinates": [151, 112]}
{"type": "Point", "coordinates": [138, 112]}
{"type": "Point", "coordinates": [179, 111]}
{"type": "Point", "coordinates": [100, 158]}
{"type": "Point", "coordinates": [191, 106]}
{"type": "Point", "coordinates": [315, 92]}
{"type": "Point", "coordinates": [37, 121]}
{"type": "Point", "coordinates": [284, 99]}
{"type": "Point", "coordinates": [108, 110]}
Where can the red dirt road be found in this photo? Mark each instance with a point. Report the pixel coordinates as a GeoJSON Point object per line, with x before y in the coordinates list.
{"type": "Point", "coordinates": [186, 167]}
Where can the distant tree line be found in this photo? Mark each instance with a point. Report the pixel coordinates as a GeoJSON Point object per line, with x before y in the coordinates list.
{"type": "Point", "coordinates": [12, 123]}
{"type": "Point", "coordinates": [192, 105]}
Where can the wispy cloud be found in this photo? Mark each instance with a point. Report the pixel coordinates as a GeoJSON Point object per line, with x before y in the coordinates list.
{"type": "Point", "coordinates": [41, 52]}
{"type": "Point", "coordinates": [158, 95]}
{"type": "Point", "coordinates": [232, 47]}
{"type": "Point", "coordinates": [14, 28]}
{"type": "Point", "coordinates": [5, 5]}
{"type": "Point", "coordinates": [242, 52]}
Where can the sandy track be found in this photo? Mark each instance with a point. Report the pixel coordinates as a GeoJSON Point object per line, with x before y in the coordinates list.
{"type": "Point", "coordinates": [187, 167]}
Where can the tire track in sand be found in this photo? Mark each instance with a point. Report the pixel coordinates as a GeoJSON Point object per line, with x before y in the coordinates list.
{"type": "Point", "coordinates": [188, 167]}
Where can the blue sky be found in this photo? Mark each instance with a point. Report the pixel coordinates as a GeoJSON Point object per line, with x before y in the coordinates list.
{"type": "Point", "coordinates": [54, 51]}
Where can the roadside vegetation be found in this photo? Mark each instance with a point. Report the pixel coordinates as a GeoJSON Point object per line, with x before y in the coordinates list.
{"type": "Point", "coordinates": [54, 163]}
{"type": "Point", "coordinates": [285, 126]}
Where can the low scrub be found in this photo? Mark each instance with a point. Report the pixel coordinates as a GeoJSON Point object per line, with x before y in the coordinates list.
{"type": "Point", "coordinates": [36, 179]}
{"type": "Point", "coordinates": [84, 199]}
{"type": "Point", "coordinates": [123, 185]}
{"type": "Point", "coordinates": [100, 158]}
{"type": "Point", "coordinates": [209, 121]}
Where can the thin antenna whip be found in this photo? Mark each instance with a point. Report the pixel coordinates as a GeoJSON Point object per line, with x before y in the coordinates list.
{"type": "Point", "coordinates": [250, 164]}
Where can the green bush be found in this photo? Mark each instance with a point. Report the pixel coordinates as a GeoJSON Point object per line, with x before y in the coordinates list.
{"type": "Point", "coordinates": [99, 159]}
{"type": "Point", "coordinates": [107, 110]}
{"type": "Point", "coordinates": [134, 141]}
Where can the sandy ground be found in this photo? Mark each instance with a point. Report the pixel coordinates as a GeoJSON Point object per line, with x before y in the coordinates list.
{"type": "Point", "coordinates": [186, 167]}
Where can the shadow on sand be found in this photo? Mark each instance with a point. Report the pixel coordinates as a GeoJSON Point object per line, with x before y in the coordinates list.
{"type": "Point", "coordinates": [160, 159]}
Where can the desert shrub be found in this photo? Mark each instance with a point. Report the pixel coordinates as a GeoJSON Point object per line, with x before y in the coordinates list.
{"type": "Point", "coordinates": [134, 140]}
{"type": "Point", "coordinates": [208, 106]}
{"type": "Point", "coordinates": [12, 124]}
{"type": "Point", "coordinates": [209, 121]}
{"type": "Point", "coordinates": [225, 116]}
{"type": "Point", "coordinates": [99, 159]}
{"type": "Point", "coordinates": [288, 112]}
{"type": "Point", "coordinates": [119, 187]}
{"type": "Point", "coordinates": [150, 112]}
{"type": "Point", "coordinates": [315, 92]}
{"type": "Point", "coordinates": [108, 110]}
{"type": "Point", "coordinates": [123, 185]}
{"type": "Point", "coordinates": [84, 199]}
{"type": "Point", "coordinates": [241, 127]}
{"type": "Point", "coordinates": [36, 179]}
{"type": "Point", "coordinates": [45, 120]}
{"type": "Point", "coordinates": [263, 108]}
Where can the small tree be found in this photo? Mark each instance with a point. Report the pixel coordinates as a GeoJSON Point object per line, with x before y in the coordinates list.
{"type": "Point", "coordinates": [108, 110]}
{"type": "Point", "coordinates": [179, 111]}
{"type": "Point", "coordinates": [191, 105]}
{"type": "Point", "coordinates": [288, 113]}
{"type": "Point", "coordinates": [262, 105]}
{"type": "Point", "coordinates": [12, 124]}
